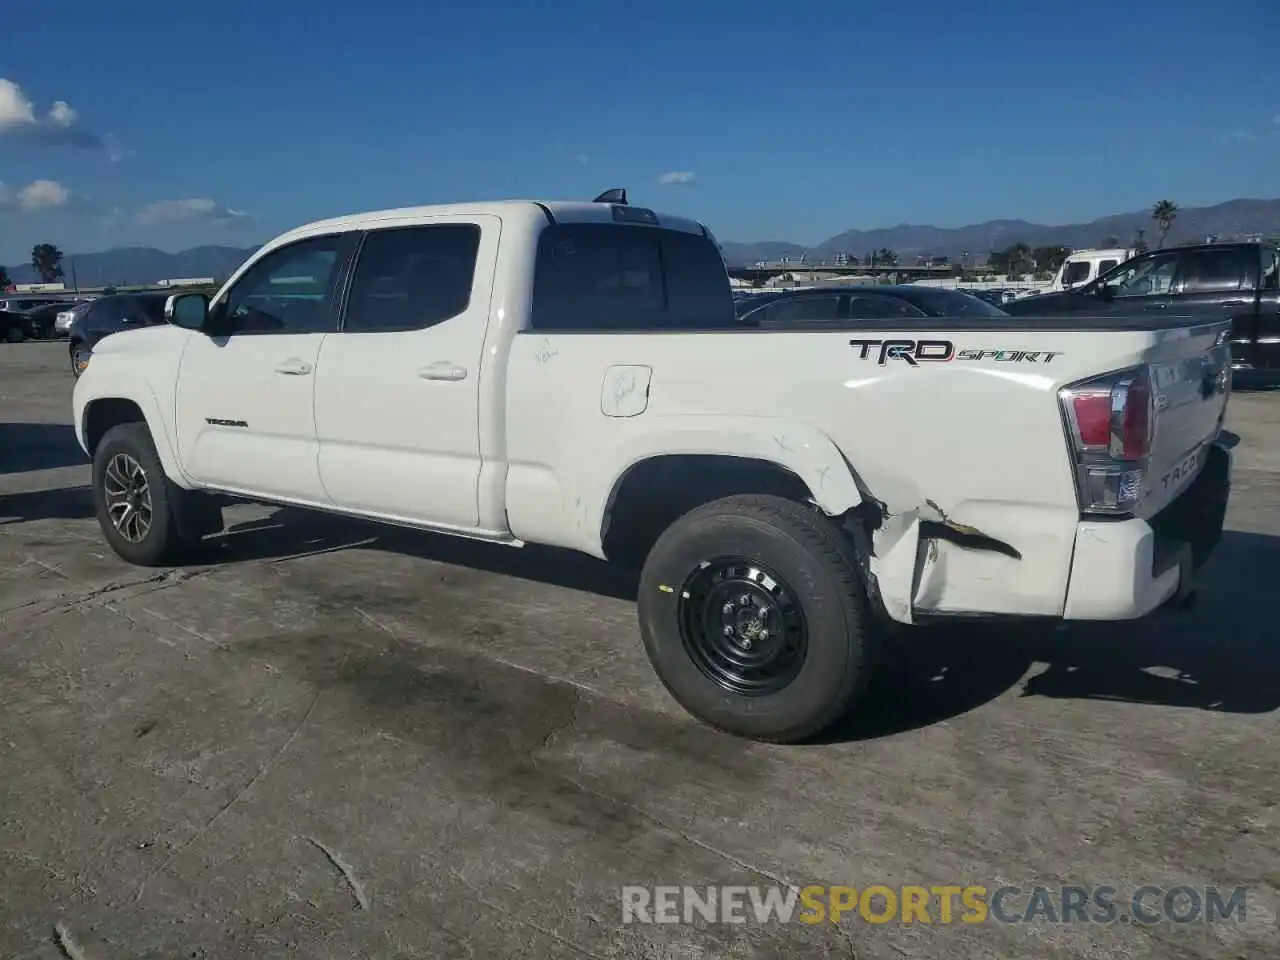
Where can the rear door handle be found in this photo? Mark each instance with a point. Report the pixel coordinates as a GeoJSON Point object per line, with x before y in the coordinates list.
{"type": "Point", "coordinates": [294, 368]}
{"type": "Point", "coordinates": [1232, 304]}
{"type": "Point", "coordinates": [444, 370]}
{"type": "Point", "coordinates": [1159, 305]}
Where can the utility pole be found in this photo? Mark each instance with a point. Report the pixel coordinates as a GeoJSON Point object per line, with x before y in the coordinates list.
{"type": "Point", "coordinates": [75, 287]}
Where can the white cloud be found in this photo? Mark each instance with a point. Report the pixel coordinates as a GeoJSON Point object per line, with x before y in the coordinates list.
{"type": "Point", "coordinates": [43, 195]}
{"type": "Point", "coordinates": [57, 128]}
{"type": "Point", "coordinates": [15, 109]}
{"type": "Point", "coordinates": [195, 210]}
{"type": "Point", "coordinates": [61, 114]}
{"type": "Point", "coordinates": [675, 177]}
{"type": "Point", "coordinates": [38, 196]}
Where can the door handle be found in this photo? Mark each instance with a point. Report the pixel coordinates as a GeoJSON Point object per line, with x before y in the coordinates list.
{"type": "Point", "coordinates": [294, 368]}
{"type": "Point", "coordinates": [1232, 304]}
{"type": "Point", "coordinates": [444, 370]}
{"type": "Point", "coordinates": [1160, 305]}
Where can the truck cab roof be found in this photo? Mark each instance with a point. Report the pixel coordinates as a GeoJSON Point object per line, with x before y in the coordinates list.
{"type": "Point", "coordinates": [553, 211]}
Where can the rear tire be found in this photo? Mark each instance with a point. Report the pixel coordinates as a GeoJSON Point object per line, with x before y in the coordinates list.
{"type": "Point", "coordinates": [14, 333]}
{"type": "Point", "coordinates": [146, 519]}
{"type": "Point", "coordinates": [754, 619]}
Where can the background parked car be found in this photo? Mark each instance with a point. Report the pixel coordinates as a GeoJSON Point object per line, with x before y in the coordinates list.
{"type": "Point", "coordinates": [14, 327]}
{"type": "Point", "coordinates": [107, 315]}
{"type": "Point", "coordinates": [833, 304]}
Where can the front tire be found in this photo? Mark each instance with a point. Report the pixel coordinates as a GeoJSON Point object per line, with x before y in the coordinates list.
{"type": "Point", "coordinates": [135, 502]}
{"type": "Point", "coordinates": [754, 619]}
{"type": "Point", "coordinates": [80, 353]}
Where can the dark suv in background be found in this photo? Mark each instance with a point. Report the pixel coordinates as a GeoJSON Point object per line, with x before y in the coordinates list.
{"type": "Point", "coordinates": [1237, 281]}
{"type": "Point", "coordinates": [107, 315]}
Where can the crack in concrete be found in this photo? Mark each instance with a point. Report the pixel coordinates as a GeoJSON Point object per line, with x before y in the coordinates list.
{"type": "Point", "coordinates": [263, 770]}
{"type": "Point", "coordinates": [532, 925]}
{"type": "Point", "coordinates": [70, 600]}
{"type": "Point", "coordinates": [344, 868]}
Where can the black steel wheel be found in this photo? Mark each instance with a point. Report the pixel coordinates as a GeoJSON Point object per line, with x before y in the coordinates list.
{"type": "Point", "coordinates": [754, 617]}
{"type": "Point", "coordinates": [742, 626]}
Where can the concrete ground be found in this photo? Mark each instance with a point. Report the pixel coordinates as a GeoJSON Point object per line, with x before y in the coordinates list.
{"type": "Point", "coordinates": [337, 741]}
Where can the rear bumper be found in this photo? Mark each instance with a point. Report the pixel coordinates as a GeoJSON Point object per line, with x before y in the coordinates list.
{"type": "Point", "coordinates": [1125, 569]}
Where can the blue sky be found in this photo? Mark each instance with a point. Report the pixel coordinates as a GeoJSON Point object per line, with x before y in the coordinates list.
{"type": "Point", "coordinates": [229, 122]}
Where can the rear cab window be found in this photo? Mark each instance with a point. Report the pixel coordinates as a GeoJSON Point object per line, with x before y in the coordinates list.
{"type": "Point", "coordinates": [595, 276]}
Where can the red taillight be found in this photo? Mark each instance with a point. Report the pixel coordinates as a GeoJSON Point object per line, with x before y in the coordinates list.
{"type": "Point", "coordinates": [1111, 422]}
{"type": "Point", "coordinates": [1136, 419]}
{"type": "Point", "coordinates": [1112, 415]}
{"type": "Point", "coordinates": [1092, 409]}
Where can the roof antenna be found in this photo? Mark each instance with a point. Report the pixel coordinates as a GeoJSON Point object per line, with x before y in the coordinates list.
{"type": "Point", "coordinates": [616, 195]}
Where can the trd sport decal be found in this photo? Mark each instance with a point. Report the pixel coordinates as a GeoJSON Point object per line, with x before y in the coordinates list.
{"type": "Point", "coordinates": [214, 422]}
{"type": "Point", "coordinates": [916, 352]}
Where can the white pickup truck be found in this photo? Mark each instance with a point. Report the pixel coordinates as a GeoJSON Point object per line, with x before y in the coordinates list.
{"type": "Point", "coordinates": [572, 374]}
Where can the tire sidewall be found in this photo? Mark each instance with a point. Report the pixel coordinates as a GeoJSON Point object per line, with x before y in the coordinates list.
{"type": "Point", "coordinates": [134, 440]}
{"type": "Point", "coordinates": [831, 612]}
{"type": "Point", "coordinates": [76, 346]}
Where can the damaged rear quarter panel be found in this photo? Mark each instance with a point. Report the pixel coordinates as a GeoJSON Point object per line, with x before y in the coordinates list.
{"type": "Point", "coordinates": [978, 443]}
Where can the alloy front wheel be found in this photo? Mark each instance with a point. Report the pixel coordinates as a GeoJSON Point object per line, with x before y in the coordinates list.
{"type": "Point", "coordinates": [128, 498]}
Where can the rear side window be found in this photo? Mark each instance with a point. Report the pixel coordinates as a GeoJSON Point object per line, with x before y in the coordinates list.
{"type": "Point", "coordinates": [413, 277]}
{"type": "Point", "coordinates": [608, 277]}
{"type": "Point", "coordinates": [1212, 271]}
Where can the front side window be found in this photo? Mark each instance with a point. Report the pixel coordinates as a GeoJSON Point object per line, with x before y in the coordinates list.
{"type": "Point", "coordinates": [411, 278]}
{"type": "Point", "coordinates": [615, 277]}
{"type": "Point", "coordinates": [290, 290]}
{"type": "Point", "coordinates": [1146, 277]}
{"type": "Point", "coordinates": [952, 303]}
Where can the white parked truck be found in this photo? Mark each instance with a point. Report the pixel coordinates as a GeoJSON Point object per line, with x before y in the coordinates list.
{"type": "Point", "coordinates": [573, 374]}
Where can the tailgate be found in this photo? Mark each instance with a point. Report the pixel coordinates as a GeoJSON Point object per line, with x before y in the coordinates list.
{"type": "Point", "coordinates": [1191, 383]}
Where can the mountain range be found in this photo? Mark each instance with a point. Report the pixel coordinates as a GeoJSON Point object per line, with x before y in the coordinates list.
{"type": "Point", "coordinates": [1234, 218]}
{"type": "Point", "coordinates": [1246, 217]}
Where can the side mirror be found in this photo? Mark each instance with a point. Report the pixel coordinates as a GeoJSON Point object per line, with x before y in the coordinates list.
{"type": "Point", "coordinates": [1104, 292]}
{"type": "Point", "coordinates": [187, 310]}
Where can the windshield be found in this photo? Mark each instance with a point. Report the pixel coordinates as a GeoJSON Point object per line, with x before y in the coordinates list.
{"type": "Point", "coordinates": [1076, 271]}
{"type": "Point", "coordinates": [951, 303]}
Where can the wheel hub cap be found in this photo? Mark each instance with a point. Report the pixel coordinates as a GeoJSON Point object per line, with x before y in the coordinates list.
{"type": "Point", "coordinates": [742, 626]}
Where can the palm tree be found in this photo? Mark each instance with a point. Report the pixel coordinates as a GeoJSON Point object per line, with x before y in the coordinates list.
{"type": "Point", "coordinates": [47, 260]}
{"type": "Point", "coordinates": [1164, 213]}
